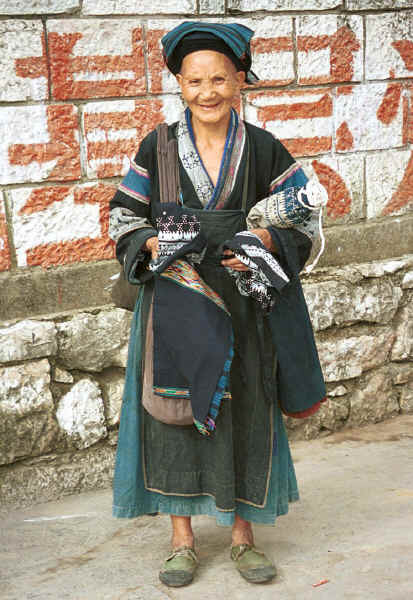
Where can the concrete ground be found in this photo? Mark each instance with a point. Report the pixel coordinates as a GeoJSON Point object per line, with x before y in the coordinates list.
{"type": "Point", "coordinates": [353, 527]}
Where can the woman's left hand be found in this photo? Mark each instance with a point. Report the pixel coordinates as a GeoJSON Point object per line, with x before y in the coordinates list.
{"type": "Point", "coordinates": [233, 263]}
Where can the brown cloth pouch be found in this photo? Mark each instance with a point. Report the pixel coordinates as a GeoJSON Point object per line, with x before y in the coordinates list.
{"type": "Point", "coordinates": [172, 411]}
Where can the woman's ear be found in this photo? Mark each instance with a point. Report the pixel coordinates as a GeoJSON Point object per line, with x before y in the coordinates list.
{"type": "Point", "coordinates": [178, 77]}
{"type": "Point", "coordinates": [241, 77]}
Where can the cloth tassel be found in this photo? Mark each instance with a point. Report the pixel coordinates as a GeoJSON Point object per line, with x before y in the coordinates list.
{"type": "Point", "coordinates": [316, 200]}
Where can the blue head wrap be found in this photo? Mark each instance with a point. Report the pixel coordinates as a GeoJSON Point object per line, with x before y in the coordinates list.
{"type": "Point", "coordinates": [230, 39]}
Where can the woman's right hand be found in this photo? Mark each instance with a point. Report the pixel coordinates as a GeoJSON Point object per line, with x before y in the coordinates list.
{"type": "Point", "coordinates": [152, 246]}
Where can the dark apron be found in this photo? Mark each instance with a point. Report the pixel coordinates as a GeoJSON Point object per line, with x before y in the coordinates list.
{"type": "Point", "coordinates": [235, 463]}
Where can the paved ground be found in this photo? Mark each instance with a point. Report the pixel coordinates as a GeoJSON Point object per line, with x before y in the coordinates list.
{"type": "Point", "coordinates": [353, 527]}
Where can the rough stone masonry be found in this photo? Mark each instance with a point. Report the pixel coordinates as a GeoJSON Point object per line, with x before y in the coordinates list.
{"type": "Point", "coordinates": [81, 82]}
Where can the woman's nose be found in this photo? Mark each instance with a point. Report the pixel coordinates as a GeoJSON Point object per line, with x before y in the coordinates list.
{"type": "Point", "coordinates": [207, 90]}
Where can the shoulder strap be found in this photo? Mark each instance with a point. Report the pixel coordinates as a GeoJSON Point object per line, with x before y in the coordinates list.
{"type": "Point", "coordinates": [246, 175]}
{"type": "Point", "coordinates": [168, 169]}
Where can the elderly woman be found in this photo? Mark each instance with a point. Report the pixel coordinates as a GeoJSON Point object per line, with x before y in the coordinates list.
{"type": "Point", "coordinates": [204, 330]}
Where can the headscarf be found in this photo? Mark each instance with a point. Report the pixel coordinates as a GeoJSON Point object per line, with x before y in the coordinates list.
{"type": "Point", "coordinates": [231, 39]}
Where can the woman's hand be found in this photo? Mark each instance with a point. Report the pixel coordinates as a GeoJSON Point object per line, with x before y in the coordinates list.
{"type": "Point", "coordinates": [266, 239]}
{"type": "Point", "coordinates": [233, 263]}
{"type": "Point", "coordinates": [152, 245]}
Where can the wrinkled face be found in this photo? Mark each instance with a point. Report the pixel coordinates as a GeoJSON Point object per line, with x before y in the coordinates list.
{"type": "Point", "coordinates": [209, 83]}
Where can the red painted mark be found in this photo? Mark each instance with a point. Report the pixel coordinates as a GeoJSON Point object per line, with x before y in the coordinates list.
{"type": "Point", "coordinates": [345, 90]}
{"type": "Point", "coordinates": [409, 119]}
{"type": "Point", "coordinates": [34, 66]}
{"type": "Point", "coordinates": [5, 262]}
{"type": "Point", "coordinates": [405, 49]}
{"type": "Point", "coordinates": [84, 249]}
{"type": "Point", "coordinates": [63, 146]}
{"type": "Point", "coordinates": [41, 198]}
{"type": "Point", "coordinates": [344, 136]}
{"type": "Point", "coordinates": [64, 65]}
{"type": "Point", "coordinates": [155, 59]}
{"type": "Point", "coordinates": [261, 45]}
{"type": "Point", "coordinates": [389, 106]}
{"type": "Point", "coordinates": [404, 193]}
{"type": "Point", "coordinates": [146, 115]}
{"type": "Point", "coordinates": [339, 199]}
{"type": "Point", "coordinates": [343, 44]}
{"type": "Point", "coordinates": [308, 146]}
{"type": "Point", "coordinates": [298, 110]}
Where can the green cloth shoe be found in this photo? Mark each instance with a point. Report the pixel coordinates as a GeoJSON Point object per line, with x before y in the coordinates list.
{"type": "Point", "coordinates": [179, 568]}
{"type": "Point", "coordinates": [252, 564]}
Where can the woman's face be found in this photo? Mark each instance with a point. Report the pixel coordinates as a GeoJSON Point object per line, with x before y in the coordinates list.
{"type": "Point", "coordinates": [209, 83]}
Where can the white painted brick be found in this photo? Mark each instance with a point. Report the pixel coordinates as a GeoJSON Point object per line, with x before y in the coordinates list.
{"type": "Point", "coordinates": [60, 224]}
{"type": "Point", "coordinates": [372, 116]}
{"type": "Point", "coordinates": [38, 143]}
{"type": "Point", "coordinates": [23, 65]}
{"type": "Point", "coordinates": [388, 183]}
{"type": "Point", "coordinates": [159, 78]}
{"type": "Point", "coordinates": [377, 4]}
{"type": "Point", "coordinates": [272, 49]}
{"type": "Point", "coordinates": [112, 140]}
{"type": "Point", "coordinates": [212, 7]}
{"type": "Point", "coordinates": [37, 7]}
{"type": "Point", "coordinates": [389, 45]}
{"type": "Point", "coordinates": [302, 119]}
{"type": "Point", "coordinates": [132, 7]}
{"type": "Point", "coordinates": [92, 58]}
{"type": "Point", "coordinates": [330, 48]}
{"type": "Point", "coordinates": [343, 178]}
{"type": "Point", "coordinates": [273, 5]}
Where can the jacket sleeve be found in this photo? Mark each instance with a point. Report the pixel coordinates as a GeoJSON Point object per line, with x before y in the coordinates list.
{"type": "Point", "coordinates": [129, 215]}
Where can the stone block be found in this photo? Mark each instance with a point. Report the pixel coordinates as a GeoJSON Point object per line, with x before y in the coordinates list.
{"type": "Point", "coordinates": [377, 4]}
{"type": "Point", "coordinates": [373, 399]}
{"type": "Point", "coordinates": [389, 189]}
{"type": "Point", "coordinates": [94, 342]}
{"type": "Point", "coordinates": [389, 45]}
{"type": "Point", "coordinates": [114, 129]}
{"type": "Point", "coordinates": [34, 292]}
{"type": "Point", "coordinates": [27, 423]}
{"type": "Point", "coordinates": [61, 224]}
{"type": "Point", "coordinates": [209, 7]}
{"type": "Point", "coordinates": [272, 50]}
{"type": "Point", "coordinates": [301, 119]}
{"type": "Point", "coordinates": [5, 258]}
{"type": "Point", "coordinates": [334, 413]}
{"type": "Point", "coordinates": [39, 143]}
{"type": "Point", "coordinates": [131, 7]}
{"type": "Point", "coordinates": [406, 398]}
{"type": "Point", "coordinates": [38, 7]}
{"type": "Point", "coordinates": [330, 48]}
{"type": "Point", "coordinates": [23, 61]}
{"type": "Point", "coordinates": [112, 382]}
{"type": "Point", "coordinates": [369, 117]}
{"type": "Point", "coordinates": [345, 356]}
{"type": "Point", "coordinates": [337, 303]}
{"type": "Point", "coordinates": [80, 413]}
{"type": "Point", "coordinates": [62, 376]}
{"type": "Point", "coordinates": [27, 340]}
{"type": "Point", "coordinates": [54, 476]}
{"type": "Point", "coordinates": [343, 178]}
{"type": "Point", "coordinates": [402, 372]}
{"type": "Point", "coordinates": [407, 282]}
{"type": "Point", "coordinates": [403, 346]}
{"type": "Point", "coordinates": [236, 6]}
{"type": "Point", "coordinates": [95, 58]}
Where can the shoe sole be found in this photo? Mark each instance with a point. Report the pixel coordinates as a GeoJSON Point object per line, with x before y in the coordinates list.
{"type": "Point", "coordinates": [176, 578]}
{"type": "Point", "coordinates": [259, 575]}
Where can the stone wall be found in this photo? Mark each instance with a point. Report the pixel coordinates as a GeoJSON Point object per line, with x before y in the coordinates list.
{"type": "Point", "coordinates": [81, 82]}
{"type": "Point", "coordinates": [61, 378]}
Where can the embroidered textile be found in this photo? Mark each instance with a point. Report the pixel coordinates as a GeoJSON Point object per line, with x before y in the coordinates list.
{"type": "Point", "coordinates": [265, 276]}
